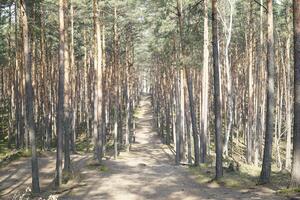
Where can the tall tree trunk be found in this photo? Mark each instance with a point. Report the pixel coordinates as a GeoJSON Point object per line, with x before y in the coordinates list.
{"type": "Point", "coordinates": [267, 158]}
{"type": "Point", "coordinates": [17, 78]}
{"type": "Point", "coordinates": [67, 93]}
{"type": "Point", "coordinates": [295, 180]}
{"type": "Point", "coordinates": [289, 108]}
{"type": "Point", "coordinates": [116, 66]}
{"type": "Point", "coordinates": [29, 97]}
{"type": "Point", "coordinates": [98, 85]}
{"type": "Point", "coordinates": [217, 94]}
{"type": "Point", "coordinates": [230, 108]}
{"type": "Point", "coordinates": [181, 83]}
{"type": "Point", "coordinates": [60, 101]}
{"type": "Point", "coordinates": [193, 117]}
{"type": "Point", "coordinates": [73, 83]}
{"type": "Point", "coordinates": [205, 88]}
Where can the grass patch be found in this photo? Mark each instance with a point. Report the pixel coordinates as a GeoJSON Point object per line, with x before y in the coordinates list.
{"type": "Point", "coordinates": [289, 191]}
{"type": "Point", "coordinates": [103, 168]}
{"type": "Point", "coordinates": [246, 177]}
{"type": "Point", "coordinates": [137, 112]}
{"type": "Point", "coordinates": [93, 165]}
{"type": "Point", "coordinates": [203, 173]}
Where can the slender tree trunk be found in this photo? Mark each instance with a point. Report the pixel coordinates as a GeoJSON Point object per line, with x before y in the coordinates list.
{"type": "Point", "coordinates": [17, 78]}
{"type": "Point", "coordinates": [73, 83]}
{"type": "Point", "coordinates": [116, 82]}
{"type": "Point", "coordinates": [181, 83]}
{"type": "Point", "coordinates": [289, 109]}
{"type": "Point", "coordinates": [229, 81]}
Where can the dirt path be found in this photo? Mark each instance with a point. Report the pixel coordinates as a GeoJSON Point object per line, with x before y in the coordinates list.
{"type": "Point", "coordinates": [148, 172]}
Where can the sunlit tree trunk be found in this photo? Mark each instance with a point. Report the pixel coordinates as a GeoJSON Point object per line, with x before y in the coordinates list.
{"type": "Point", "coordinates": [288, 99]}
{"type": "Point", "coordinates": [205, 88]}
{"type": "Point", "coordinates": [97, 123]}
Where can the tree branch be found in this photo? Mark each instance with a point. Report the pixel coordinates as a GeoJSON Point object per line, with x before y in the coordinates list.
{"type": "Point", "coordinates": [261, 5]}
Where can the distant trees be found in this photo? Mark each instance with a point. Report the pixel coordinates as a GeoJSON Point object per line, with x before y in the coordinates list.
{"type": "Point", "coordinates": [254, 81]}
{"type": "Point", "coordinates": [61, 77]}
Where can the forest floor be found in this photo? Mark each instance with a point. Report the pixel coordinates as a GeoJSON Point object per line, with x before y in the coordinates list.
{"type": "Point", "coordinates": [148, 171]}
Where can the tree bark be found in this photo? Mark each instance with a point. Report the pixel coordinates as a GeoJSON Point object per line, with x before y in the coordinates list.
{"type": "Point", "coordinates": [67, 93]}
{"type": "Point", "coordinates": [295, 179]}
{"type": "Point", "coordinates": [217, 94]}
{"type": "Point", "coordinates": [29, 97]}
{"type": "Point", "coordinates": [267, 158]}
{"type": "Point", "coordinates": [205, 89]}
{"type": "Point", "coordinates": [97, 123]}
{"type": "Point", "coordinates": [60, 101]}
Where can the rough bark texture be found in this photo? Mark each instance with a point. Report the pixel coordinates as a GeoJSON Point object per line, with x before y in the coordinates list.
{"type": "Point", "coordinates": [193, 117]}
{"type": "Point", "coordinates": [267, 158]}
{"type": "Point", "coordinates": [29, 97]}
{"type": "Point", "coordinates": [217, 94]}
{"type": "Point", "coordinates": [295, 181]}
{"type": "Point", "coordinates": [97, 122]}
{"type": "Point", "coordinates": [67, 93]}
{"type": "Point", "coordinates": [60, 105]}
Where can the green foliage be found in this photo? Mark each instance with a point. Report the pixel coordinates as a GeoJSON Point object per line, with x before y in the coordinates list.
{"type": "Point", "coordinates": [83, 145]}
{"type": "Point", "coordinates": [8, 156]}
{"type": "Point", "coordinates": [289, 191]}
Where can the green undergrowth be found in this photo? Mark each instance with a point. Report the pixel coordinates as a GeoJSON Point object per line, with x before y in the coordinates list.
{"type": "Point", "coordinates": [4, 150]}
{"type": "Point", "coordinates": [244, 178]}
{"type": "Point", "coordinates": [13, 155]}
{"type": "Point", "coordinates": [93, 165]}
{"type": "Point", "coordinates": [84, 145]}
{"type": "Point", "coordinates": [289, 191]}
